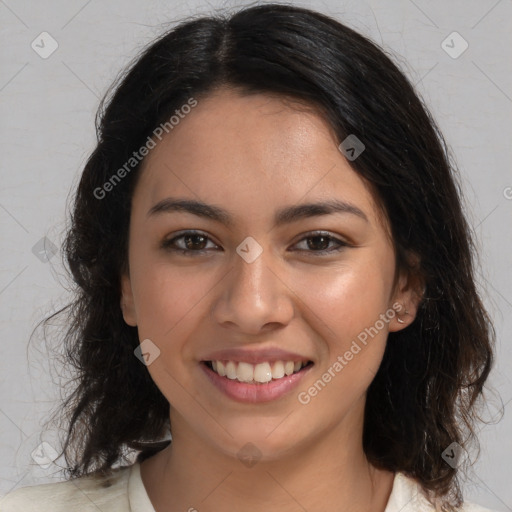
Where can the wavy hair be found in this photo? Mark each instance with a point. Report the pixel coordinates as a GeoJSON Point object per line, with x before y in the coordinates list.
{"type": "Point", "coordinates": [424, 396]}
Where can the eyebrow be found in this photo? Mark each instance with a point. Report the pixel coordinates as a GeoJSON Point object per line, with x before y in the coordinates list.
{"type": "Point", "coordinates": [285, 215]}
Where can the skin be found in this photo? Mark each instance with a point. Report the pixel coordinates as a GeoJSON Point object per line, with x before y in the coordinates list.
{"type": "Point", "coordinates": [253, 155]}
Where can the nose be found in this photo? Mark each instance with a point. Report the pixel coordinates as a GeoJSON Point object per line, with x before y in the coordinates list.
{"type": "Point", "coordinates": [254, 297]}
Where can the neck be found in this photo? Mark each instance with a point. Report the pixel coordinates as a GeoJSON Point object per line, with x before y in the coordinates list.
{"type": "Point", "coordinates": [330, 475]}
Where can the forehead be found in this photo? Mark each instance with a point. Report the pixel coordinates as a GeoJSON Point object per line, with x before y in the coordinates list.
{"type": "Point", "coordinates": [259, 129]}
{"type": "Point", "coordinates": [252, 150]}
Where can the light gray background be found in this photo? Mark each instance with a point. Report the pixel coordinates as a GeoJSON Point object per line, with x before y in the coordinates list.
{"type": "Point", "coordinates": [47, 109]}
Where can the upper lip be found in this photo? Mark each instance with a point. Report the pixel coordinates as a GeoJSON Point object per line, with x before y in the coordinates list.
{"type": "Point", "coordinates": [254, 356]}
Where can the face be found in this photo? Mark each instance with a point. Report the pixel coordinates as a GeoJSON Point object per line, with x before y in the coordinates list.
{"type": "Point", "coordinates": [255, 279]}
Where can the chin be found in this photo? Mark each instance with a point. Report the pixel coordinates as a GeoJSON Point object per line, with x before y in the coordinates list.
{"type": "Point", "coordinates": [261, 443]}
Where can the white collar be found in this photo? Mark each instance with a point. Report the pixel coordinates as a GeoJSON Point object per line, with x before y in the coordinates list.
{"type": "Point", "coordinates": [406, 495]}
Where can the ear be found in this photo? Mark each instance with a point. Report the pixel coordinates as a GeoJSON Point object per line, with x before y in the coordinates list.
{"type": "Point", "coordinates": [127, 302]}
{"type": "Point", "coordinates": [409, 292]}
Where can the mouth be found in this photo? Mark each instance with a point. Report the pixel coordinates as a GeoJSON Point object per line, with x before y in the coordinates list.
{"type": "Point", "coordinates": [261, 373]}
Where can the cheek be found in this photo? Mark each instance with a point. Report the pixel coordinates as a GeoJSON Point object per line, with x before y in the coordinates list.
{"type": "Point", "coordinates": [347, 299]}
{"type": "Point", "coordinates": [347, 320]}
{"type": "Point", "coordinates": [170, 305]}
{"type": "Point", "coordinates": [169, 301]}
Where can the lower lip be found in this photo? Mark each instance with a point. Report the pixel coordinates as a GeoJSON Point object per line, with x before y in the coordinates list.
{"type": "Point", "coordinates": [255, 393]}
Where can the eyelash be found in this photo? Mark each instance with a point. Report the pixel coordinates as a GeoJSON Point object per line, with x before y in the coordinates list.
{"type": "Point", "coordinates": [167, 244]}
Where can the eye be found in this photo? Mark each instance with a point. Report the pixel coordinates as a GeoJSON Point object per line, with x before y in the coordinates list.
{"type": "Point", "coordinates": [322, 240]}
{"type": "Point", "coordinates": [190, 242]}
{"type": "Point", "coordinates": [193, 240]}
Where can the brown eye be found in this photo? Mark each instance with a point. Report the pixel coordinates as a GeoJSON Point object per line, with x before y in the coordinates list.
{"type": "Point", "coordinates": [318, 243]}
{"type": "Point", "coordinates": [195, 243]}
{"type": "Point", "coordinates": [189, 242]}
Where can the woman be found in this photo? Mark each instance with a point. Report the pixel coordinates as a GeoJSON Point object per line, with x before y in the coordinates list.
{"type": "Point", "coordinates": [273, 267]}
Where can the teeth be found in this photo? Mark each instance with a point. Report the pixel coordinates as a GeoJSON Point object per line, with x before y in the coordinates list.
{"type": "Point", "coordinates": [261, 372]}
{"type": "Point", "coordinates": [288, 367]}
{"type": "Point", "coordinates": [278, 370]}
{"type": "Point", "coordinates": [220, 368]}
{"type": "Point", "coordinates": [231, 370]}
{"type": "Point", "coordinates": [245, 372]}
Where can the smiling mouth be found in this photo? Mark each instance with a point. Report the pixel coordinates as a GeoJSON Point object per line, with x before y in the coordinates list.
{"type": "Point", "coordinates": [260, 373]}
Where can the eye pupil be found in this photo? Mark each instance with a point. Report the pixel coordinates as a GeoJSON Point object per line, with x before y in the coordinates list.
{"type": "Point", "coordinates": [325, 245]}
{"type": "Point", "coordinates": [192, 245]}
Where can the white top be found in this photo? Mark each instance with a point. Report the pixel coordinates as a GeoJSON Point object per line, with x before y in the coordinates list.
{"type": "Point", "coordinates": [126, 493]}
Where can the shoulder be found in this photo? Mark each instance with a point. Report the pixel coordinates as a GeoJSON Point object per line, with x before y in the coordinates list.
{"type": "Point", "coordinates": [472, 507]}
{"type": "Point", "coordinates": [407, 496]}
{"type": "Point", "coordinates": [84, 494]}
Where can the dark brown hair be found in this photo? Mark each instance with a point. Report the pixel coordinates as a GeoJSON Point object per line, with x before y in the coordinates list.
{"type": "Point", "coordinates": [425, 393]}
